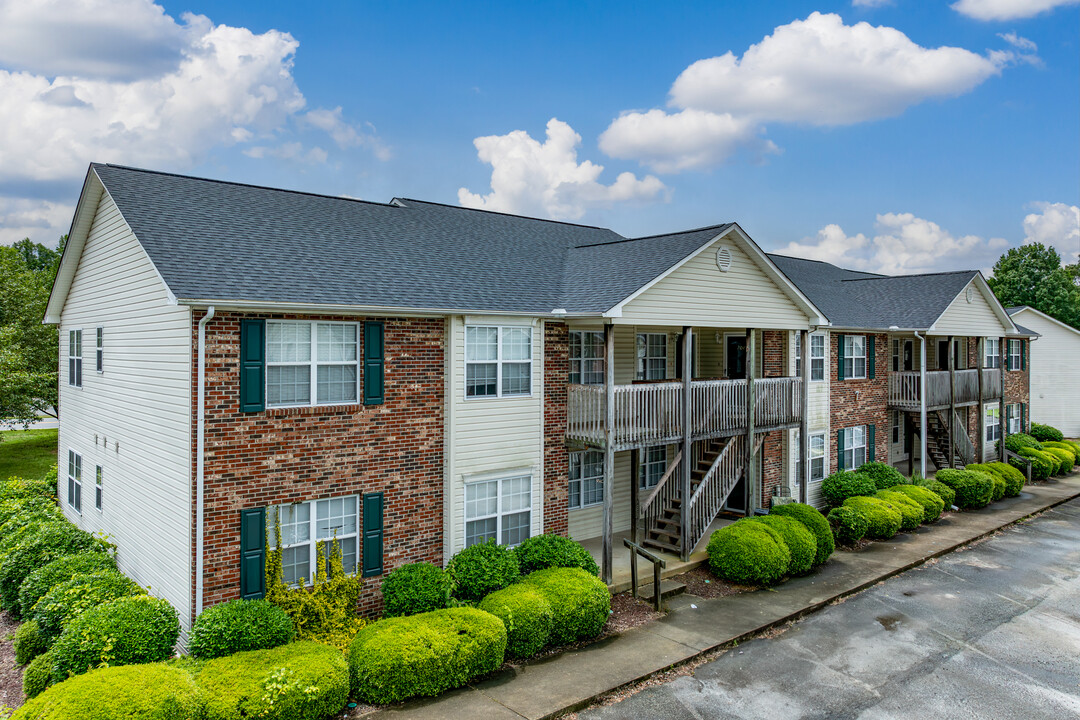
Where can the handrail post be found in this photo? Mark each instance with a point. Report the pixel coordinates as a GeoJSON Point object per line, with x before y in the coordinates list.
{"type": "Point", "coordinates": [684, 512]}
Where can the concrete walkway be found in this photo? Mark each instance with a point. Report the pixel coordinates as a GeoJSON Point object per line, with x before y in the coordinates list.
{"type": "Point", "coordinates": [573, 680]}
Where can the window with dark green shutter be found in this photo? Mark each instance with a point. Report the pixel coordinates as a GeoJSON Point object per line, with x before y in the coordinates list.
{"type": "Point", "coordinates": [870, 355]}
{"type": "Point", "coordinates": [373, 534]}
{"type": "Point", "coordinates": [374, 364]}
{"type": "Point", "coordinates": [252, 553]}
{"type": "Point", "coordinates": [252, 365]}
{"type": "Point", "coordinates": [840, 361]}
{"type": "Point", "coordinates": [871, 430]}
{"type": "Point", "coordinates": [839, 449]}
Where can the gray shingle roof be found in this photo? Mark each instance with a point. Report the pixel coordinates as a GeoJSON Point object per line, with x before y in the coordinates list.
{"type": "Point", "coordinates": [227, 241]}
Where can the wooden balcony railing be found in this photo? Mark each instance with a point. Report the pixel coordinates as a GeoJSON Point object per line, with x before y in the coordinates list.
{"type": "Point", "coordinates": [905, 392]}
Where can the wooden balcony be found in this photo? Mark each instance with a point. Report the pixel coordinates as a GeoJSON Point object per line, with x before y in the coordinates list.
{"type": "Point", "coordinates": [652, 414]}
{"type": "Point", "coordinates": [905, 392]}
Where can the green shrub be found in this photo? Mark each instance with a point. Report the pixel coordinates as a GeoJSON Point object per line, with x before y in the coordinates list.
{"type": "Point", "coordinates": [239, 625]}
{"type": "Point", "coordinates": [580, 602]}
{"type": "Point", "coordinates": [848, 524]}
{"type": "Point", "coordinates": [38, 675]}
{"type": "Point", "coordinates": [291, 682]}
{"type": "Point", "coordinates": [1066, 459]}
{"type": "Point", "coordinates": [1016, 441]}
{"type": "Point", "coordinates": [545, 551]}
{"type": "Point", "coordinates": [1014, 479]}
{"type": "Point", "coordinates": [943, 491]}
{"type": "Point", "coordinates": [415, 588]}
{"type": "Point", "coordinates": [29, 642]}
{"type": "Point", "coordinates": [882, 520]}
{"type": "Point", "coordinates": [931, 502]}
{"type": "Point", "coordinates": [815, 522]}
{"type": "Point", "coordinates": [884, 475]}
{"type": "Point", "coordinates": [146, 692]}
{"type": "Point", "coordinates": [748, 553]}
{"type": "Point", "coordinates": [66, 601]}
{"type": "Point", "coordinates": [841, 485]}
{"type": "Point", "coordinates": [481, 569]}
{"type": "Point", "coordinates": [398, 658]}
{"type": "Point", "coordinates": [18, 488]}
{"type": "Point", "coordinates": [911, 512]}
{"type": "Point", "coordinates": [128, 631]}
{"type": "Point", "coordinates": [48, 543]}
{"type": "Point", "coordinates": [1042, 433]}
{"type": "Point", "coordinates": [11, 508]}
{"type": "Point", "coordinates": [1070, 447]}
{"type": "Point", "coordinates": [22, 528]}
{"type": "Point", "coordinates": [1043, 464]}
{"type": "Point", "coordinates": [973, 488]}
{"type": "Point", "coordinates": [44, 579]}
{"type": "Point", "coordinates": [527, 615]}
{"type": "Point", "coordinates": [800, 542]}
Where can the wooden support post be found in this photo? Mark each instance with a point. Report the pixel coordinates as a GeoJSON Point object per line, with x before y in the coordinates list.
{"type": "Point", "coordinates": [804, 419]}
{"type": "Point", "coordinates": [751, 480]}
{"type": "Point", "coordinates": [635, 506]}
{"type": "Point", "coordinates": [687, 464]}
{"type": "Point", "coordinates": [922, 406]}
{"type": "Point", "coordinates": [980, 352]}
{"type": "Point", "coordinates": [609, 453]}
{"type": "Point", "coordinates": [1003, 427]}
{"type": "Point", "coordinates": [952, 400]}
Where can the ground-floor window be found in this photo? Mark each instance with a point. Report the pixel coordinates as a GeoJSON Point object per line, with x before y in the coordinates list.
{"type": "Point", "coordinates": [499, 509]}
{"type": "Point", "coordinates": [586, 478]}
{"type": "Point", "coordinates": [74, 496]}
{"type": "Point", "coordinates": [1016, 419]}
{"type": "Point", "coordinates": [304, 525]}
{"type": "Point", "coordinates": [853, 447]}
{"type": "Point", "coordinates": [816, 448]}
{"type": "Point", "coordinates": [993, 423]}
{"type": "Point", "coordinates": [653, 466]}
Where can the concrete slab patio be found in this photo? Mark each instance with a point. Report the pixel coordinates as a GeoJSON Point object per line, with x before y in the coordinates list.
{"type": "Point", "coordinates": [573, 679]}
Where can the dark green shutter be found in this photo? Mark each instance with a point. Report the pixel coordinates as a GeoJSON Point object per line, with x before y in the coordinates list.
{"type": "Point", "coordinates": [1023, 355]}
{"type": "Point", "coordinates": [840, 359]}
{"type": "Point", "coordinates": [870, 357]}
{"type": "Point", "coordinates": [252, 553]}
{"type": "Point", "coordinates": [870, 445]}
{"type": "Point", "coordinates": [839, 449]}
{"type": "Point", "coordinates": [374, 364]}
{"type": "Point", "coordinates": [1023, 417]}
{"type": "Point", "coordinates": [373, 534]}
{"type": "Point", "coordinates": [1003, 429]}
{"type": "Point", "coordinates": [252, 365]}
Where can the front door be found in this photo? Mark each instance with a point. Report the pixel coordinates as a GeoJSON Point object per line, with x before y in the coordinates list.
{"type": "Point", "coordinates": [735, 357]}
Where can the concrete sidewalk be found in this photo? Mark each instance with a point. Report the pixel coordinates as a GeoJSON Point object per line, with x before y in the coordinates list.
{"type": "Point", "coordinates": [572, 680]}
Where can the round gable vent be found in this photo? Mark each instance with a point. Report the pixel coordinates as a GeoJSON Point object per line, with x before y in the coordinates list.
{"type": "Point", "coordinates": [970, 294]}
{"type": "Point", "coordinates": [723, 259]}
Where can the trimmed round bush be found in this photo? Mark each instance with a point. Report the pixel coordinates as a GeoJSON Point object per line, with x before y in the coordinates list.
{"type": "Point", "coordinates": [540, 552]}
{"type": "Point", "coordinates": [21, 528]}
{"type": "Point", "coordinates": [799, 540]}
{"type": "Point", "coordinates": [44, 579]}
{"type": "Point", "coordinates": [291, 682]}
{"type": "Point", "coordinates": [145, 692]}
{"type": "Point", "coordinates": [128, 631]}
{"type": "Point", "coordinates": [527, 615]}
{"type": "Point", "coordinates": [931, 502]}
{"type": "Point", "coordinates": [237, 626]}
{"type": "Point", "coordinates": [815, 522]}
{"type": "Point", "coordinates": [1016, 441]}
{"type": "Point", "coordinates": [1014, 479]}
{"type": "Point", "coordinates": [1043, 464]}
{"type": "Point", "coordinates": [1069, 447]}
{"type": "Point", "coordinates": [748, 553]}
{"type": "Point", "coordinates": [883, 474]}
{"type": "Point", "coordinates": [415, 588]}
{"type": "Point", "coordinates": [426, 654]}
{"type": "Point", "coordinates": [973, 489]}
{"type": "Point", "coordinates": [1066, 459]}
{"type": "Point", "coordinates": [882, 520]}
{"type": "Point", "coordinates": [1043, 433]}
{"type": "Point", "coordinates": [848, 524]}
{"type": "Point", "coordinates": [11, 508]}
{"type": "Point", "coordinates": [943, 491]}
{"type": "Point", "coordinates": [911, 512]}
{"type": "Point", "coordinates": [841, 485]}
{"type": "Point", "coordinates": [580, 602]}
{"type": "Point", "coordinates": [71, 598]}
{"type": "Point", "coordinates": [29, 642]}
{"type": "Point", "coordinates": [38, 675]}
{"type": "Point", "coordinates": [50, 542]}
{"type": "Point", "coordinates": [481, 569]}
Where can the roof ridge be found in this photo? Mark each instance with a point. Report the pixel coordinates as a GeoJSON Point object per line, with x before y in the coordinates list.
{"type": "Point", "coordinates": [650, 237]}
{"type": "Point", "coordinates": [913, 275]}
{"type": "Point", "coordinates": [505, 214]}
{"type": "Point", "coordinates": [832, 265]}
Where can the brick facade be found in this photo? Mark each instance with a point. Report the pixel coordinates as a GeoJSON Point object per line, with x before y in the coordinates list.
{"type": "Point", "coordinates": [1018, 383]}
{"type": "Point", "coordinates": [774, 362]}
{"type": "Point", "coordinates": [556, 455]}
{"type": "Point", "coordinates": [287, 455]}
{"type": "Point", "coordinates": [860, 402]}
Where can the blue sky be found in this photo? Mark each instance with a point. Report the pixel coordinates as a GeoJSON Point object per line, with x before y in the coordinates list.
{"type": "Point", "coordinates": [891, 136]}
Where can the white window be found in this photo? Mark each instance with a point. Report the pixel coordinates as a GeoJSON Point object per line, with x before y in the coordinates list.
{"type": "Point", "coordinates": [896, 424]}
{"type": "Point", "coordinates": [993, 353]}
{"type": "Point", "coordinates": [798, 354]}
{"type": "Point", "coordinates": [817, 458]}
{"type": "Point", "coordinates": [499, 510]}
{"type": "Point", "coordinates": [100, 350]}
{"type": "Point", "coordinates": [586, 357]}
{"type": "Point", "coordinates": [498, 361]}
{"type": "Point", "coordinates": [1014, 355]}
{"type": "Point", "coordinates": [1015, 419]}
{"type": "Point", "coordinates": [651, 356]}
{"type": "Point", "coordinates": [311, 363]}
{"type": "Point", "coordinates": [853, 356]}
{"type": "Point", "coordinates": [853, 451]}
{"type": "Point", "coordinates": [97, 487]}
{"type": "Point", "coordinates": [74, 494]}
{"type": "Point", "coordinates": [653, 466]}
{"type": "Point", "coordinates": [817, 357]}
{"type": "Point", "coordinates": [993, 423]}
{"type": "Point", "coordinates": [586, 478]}
{"type": "Point", "coordinates": [304, 525]}
{"type": "Point", "coordinates": [75, 358]}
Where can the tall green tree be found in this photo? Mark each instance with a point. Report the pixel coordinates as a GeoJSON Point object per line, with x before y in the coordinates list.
{"type": "Point", "coordinates": [1033, 275]}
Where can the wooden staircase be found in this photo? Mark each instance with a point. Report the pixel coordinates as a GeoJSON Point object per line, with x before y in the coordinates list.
{"type": "Point", "coordinates": [937, 440]}
{"type": "Point", "coordinates": [664, 531]}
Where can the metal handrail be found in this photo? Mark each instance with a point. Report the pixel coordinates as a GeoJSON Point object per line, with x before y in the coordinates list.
{"type": "Point", "coordinates": [657, 562]}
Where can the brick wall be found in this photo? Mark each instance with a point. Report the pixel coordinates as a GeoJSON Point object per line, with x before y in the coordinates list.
{"type": "Point", "coordinates": [556, 456]}
{"type": "Point", "coordinates": [1018, 382]}
{"type": "Point", "coordinates": [860, 402]}
{"type": "Point", "coordinates": [774, 361]}
{"type": "Point", "coordinates": [289, 455]}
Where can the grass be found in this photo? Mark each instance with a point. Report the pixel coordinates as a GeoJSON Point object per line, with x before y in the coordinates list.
{"type": "Point", "coordinates": [27, 453]}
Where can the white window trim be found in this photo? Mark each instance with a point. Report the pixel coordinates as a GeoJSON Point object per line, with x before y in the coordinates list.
{"type": "Point", "coordinates": [1014, 412]}
{"type": "Point", "coordinates": [313, 364]}
{"type": "Point", "coordinates": [498, 361]}
{"type": "Point", "coordinates": [849, 446]}
{"type": "Point", "coordinates": [992, 420]}
{"type": "Point", "coordinates": [99, 349]}
{"type": "Point", "coordinates": [641, 370]}
{"type": "Point", "coordinates": [1015, 365]}
{"type": "Point", "coordinates": [74, 476]}
{"type": "Point", "coordinates": [99, 489]}
{"type": "Point", "coordinates": [581, 360]}
{"type": "Point", "coordinates": [313, 541]}
{"type": "Point", "coordinates": [499, 478]}
{"type": "Point", "coordinates": [824, 451]}
{"type": "Point", "coordinates": [581, 481]}
{"type": "Point", "coordinates": [814, 358]}
{"type": "Point", "coordinates": [992, 360]}
{"type": "Point", "coordinates": [844, 357]}
{"type": "Point", "coordinates": [643, 472]}
{"type": "Point", "coordinates": [75, 370]}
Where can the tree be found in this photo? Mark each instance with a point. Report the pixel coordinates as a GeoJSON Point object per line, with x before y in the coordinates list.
{"type": "Point", "coordinates": [1033, 275]}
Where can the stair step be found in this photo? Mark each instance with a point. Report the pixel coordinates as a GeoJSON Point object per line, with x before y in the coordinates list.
{"type": "Point", "coordinates": [661, 545]}
{"type": "Point", "coordinates": [665, 533]}
{"type": "Point", "coordinates": [668, 588]}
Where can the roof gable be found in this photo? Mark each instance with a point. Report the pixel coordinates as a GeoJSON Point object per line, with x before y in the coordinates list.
{"type": "Point", "coordinates": [1033, 312]}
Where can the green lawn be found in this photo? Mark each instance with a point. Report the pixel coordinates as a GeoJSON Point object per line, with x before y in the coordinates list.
{"type": "Point", "coordinates": [27, 453]}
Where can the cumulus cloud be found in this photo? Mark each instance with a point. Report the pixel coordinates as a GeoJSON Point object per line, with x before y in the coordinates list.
{"type": "Point", "coordinates": [870, 3]}
{"type": "Point", "coordinates": [42, 221]}
{"type": "Point", "coordinates": [545, 179]}
{"type": "Point", "coordinates": [1056, 225]}
{"type": "Point", "coordinates": [816, 71]}
{"type": "Point", "coordinates": [1007, 9]}
{"type": "Point", "coordinates": [345, 134]}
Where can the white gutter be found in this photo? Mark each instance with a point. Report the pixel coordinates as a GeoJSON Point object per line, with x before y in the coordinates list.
{"type": "Point", "coordinates": [200, 418]}
{"type": "Point", "coordinates": [922, 404]}
{"type": "Point", "coordinates": [396, 311]}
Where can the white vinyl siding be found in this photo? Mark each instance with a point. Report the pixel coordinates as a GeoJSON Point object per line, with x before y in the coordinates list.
{"type": "Point", "coordinates": [1054, 372]}
{"type": "Point", "coordinates": [817, 411]}
{"type": "Point", "coordinates": [134, 419]}
{"type": "Point", "coordinates": [966, 319]}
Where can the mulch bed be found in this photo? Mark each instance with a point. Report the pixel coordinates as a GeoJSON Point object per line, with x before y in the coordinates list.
{"type": "Point", "coordinates": [702, 583]}
{"type": "Point", "coordinates": [11, 693]}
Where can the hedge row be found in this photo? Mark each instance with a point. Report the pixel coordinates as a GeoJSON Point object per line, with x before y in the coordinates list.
{"type": "Point", "coordinates": [791, 540]}
{"type": "Point", "coordinates": [1045, 448]}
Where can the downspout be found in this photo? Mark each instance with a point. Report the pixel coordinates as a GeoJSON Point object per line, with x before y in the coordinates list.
{"type": "Point", "coordinates": [200, 420]}
{"type": "Point", "coordinates": [922, 404]}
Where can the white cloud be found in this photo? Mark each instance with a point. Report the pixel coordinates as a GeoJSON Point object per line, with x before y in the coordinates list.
{"type": "Point", "coordinates": [870, 3]}
{"type": "Point", "coordinates": [345, 134]}
{"type": "Point", "coordinates": [1019, 42]}
{"type": "Point", "coordinates": [1056, 225]}
{"type": "Point", "coordinates": [289, 151]}
{"type": "Point", "coordinates": [831, 245]}
{"type": "Point", "coordinates": [546, 179]}
{"type": "Point", "coordinates": [816, 71]}
{"type": "Point", "coordinates": [40, 220]}
{"type": "Point", "coordinates": [1007, 9]}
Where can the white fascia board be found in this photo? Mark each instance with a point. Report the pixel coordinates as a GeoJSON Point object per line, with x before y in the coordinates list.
{"type": "Point", "coordinates": [89, 197]}
{"type": "Point", "coordinates": [991, 299]}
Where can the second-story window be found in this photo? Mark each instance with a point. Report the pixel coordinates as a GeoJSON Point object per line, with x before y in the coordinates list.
{"type": "Point", "coordinates": [311, 363]}
{"type": "Point", "coordinates": [993, 353]}
{"type": "Point", "coordinates": [853, 355]}
{"type": "Point", "coordinates": [651, 356]}
{"type": "Point", "coordinates": [75, 358]}
{"type": "Point", "coordinates": [498, 361]}
{"type": "Point", "coordinates": [586, 357]}
{"type": "Point", "coordinates": [1015, 357]}
{"type": "Point", "coordinates": [817, 357]}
